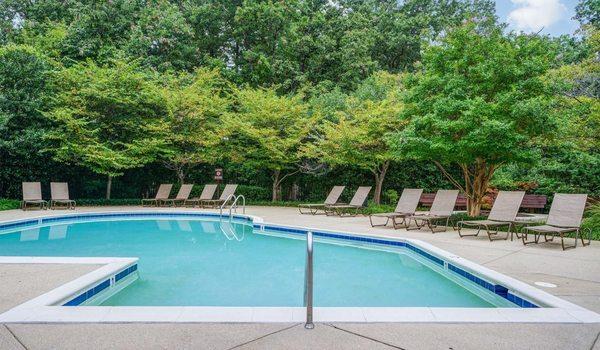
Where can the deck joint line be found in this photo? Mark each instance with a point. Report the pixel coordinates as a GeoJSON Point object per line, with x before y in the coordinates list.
{"type": "Point", "coordinates": [264, 336]}
{"type": "Point", "coordinates": [365, 337]}
{"type": "Point", "coordinates": [19, 340]}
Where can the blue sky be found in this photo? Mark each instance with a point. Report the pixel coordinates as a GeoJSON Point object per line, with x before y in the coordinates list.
{"type": "Point", "coordinates": [554, 16]}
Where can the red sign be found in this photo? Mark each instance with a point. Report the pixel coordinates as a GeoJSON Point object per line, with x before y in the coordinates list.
{"type": "Point", "coordinates": [218, 174]}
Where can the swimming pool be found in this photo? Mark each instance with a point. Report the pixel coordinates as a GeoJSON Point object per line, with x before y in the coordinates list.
{"type": "Point", "coordinates": [189, 264]}
{"type": "Point", "coordinates": [205, 261]}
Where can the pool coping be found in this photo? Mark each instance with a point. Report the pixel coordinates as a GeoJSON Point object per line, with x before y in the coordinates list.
{"type": "Point", "coordinates": [43, 309]}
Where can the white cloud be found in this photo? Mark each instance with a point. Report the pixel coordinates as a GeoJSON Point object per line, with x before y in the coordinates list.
{"type": "Point", "coordinates": [533, 15]}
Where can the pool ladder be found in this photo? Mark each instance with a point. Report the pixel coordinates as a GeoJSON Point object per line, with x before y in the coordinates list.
{"type": "Point", "coordinates": [234, 205]}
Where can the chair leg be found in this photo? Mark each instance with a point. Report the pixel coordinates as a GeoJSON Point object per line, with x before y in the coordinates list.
{"type": "Point", "coordinates": [461, 235]}
{"type": "Point", "coordinates": [417, 226]}
{"type": "Point", "coordinates": [589, 237]}
{"type": "Point", "coordinates": [402, 224]}
{"type": "Point", "coordinates": [524, 236]}
{"type": "Point", "coordinates": [376, 225]}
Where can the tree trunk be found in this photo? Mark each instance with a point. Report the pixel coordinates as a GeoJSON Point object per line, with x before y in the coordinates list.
{"type": "Point", "coordinates": [180, 175]}
{"type": "Point", "coordinates": [108, 186]}
{"type": "Point", "coordinates": [275, 189]}
{"type": "Point", "coordinates": [379, 177]}
{"type": "Point", "coordinates": [477, 181]}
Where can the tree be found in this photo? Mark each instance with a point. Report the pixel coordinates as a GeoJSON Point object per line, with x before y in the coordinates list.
{"type": "Point", "coordinates": [108, 118]}
{"type": "Point", "coordinates": [479, 103]}
{"type": "Point", "coordinates": [195, 104]}
{"type": "Point", "coordinates": [588, 12]}
{"type": "Point", "coordinates": [355, 134]}
{"type": "Point", "coordinates": [266, 131]}
{"type": "Point", "coordinates": [24, 96]}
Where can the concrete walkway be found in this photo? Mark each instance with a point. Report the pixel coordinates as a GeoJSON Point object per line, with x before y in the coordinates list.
{"type": "Point", "coordinates": [576, 274]}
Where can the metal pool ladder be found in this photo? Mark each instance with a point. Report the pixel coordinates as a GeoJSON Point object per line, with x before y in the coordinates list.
{"type": "Point", "coordinates": [308, 282]}
{"type": "Point", "coordinates": [234, 205]}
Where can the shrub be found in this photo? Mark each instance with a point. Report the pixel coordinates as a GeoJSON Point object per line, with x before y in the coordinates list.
{"type": "Point", "coordinates": [592, 222]}
{"type": "Point", "coordinates": [8, 204]}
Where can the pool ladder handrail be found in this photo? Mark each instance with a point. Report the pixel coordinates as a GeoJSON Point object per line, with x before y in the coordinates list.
{"type": "Point", "coordinates": [308, 282]}
{"type": "Point", "coordinates": [234, 205]}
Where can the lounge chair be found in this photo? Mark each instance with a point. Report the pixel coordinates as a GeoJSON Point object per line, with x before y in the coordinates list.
{"type": "Point", "coordinates": [351, 209]}
{"type": "Point", "coordinates": [32, 194]}
{"type": "Point", "coordinates": [207, 194]}
{"type": "Point", "coordinates": [228, 191]}
{"type": "Point", "coordinates": [441, 210]}
{"type": "Point", "coordinates": [59, 194]}
{"type": "Point", "coordinates": [565, 217]}
{"type": "Point", "coordinates": [407, 204]}
{"type": "Point", "coordinates": [164, 190]}
{"type": "Point", "coordinates": [503, 213]}
{"type": "Point", "coordinates": [331, 199]}
{"type": "Point", "coordinates": [182, 196]}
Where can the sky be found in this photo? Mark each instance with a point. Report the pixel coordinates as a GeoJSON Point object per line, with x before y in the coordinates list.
{"type": "Point", "coordinates": [552, 17]}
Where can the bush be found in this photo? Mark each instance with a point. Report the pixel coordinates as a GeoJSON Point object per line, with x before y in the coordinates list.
{"type": "Point", "coordinates": [8, 204]}
{"type": "Point", "coordinates": [592, 222]}
{"type": "Point", "coordinates": [255, 193]}
{"type": "Point", "coordinates": [390, 196]}
{"type": "Point", "coordinates": [107, 202]}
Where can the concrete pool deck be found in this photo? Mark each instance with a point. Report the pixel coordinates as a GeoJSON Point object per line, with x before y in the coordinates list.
{"type": "Point", "coordinates": [575, 272]}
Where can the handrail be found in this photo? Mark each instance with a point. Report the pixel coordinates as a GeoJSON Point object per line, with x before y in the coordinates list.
{"type": "Point", "coordinates": [308, 282]}
{"type": "Point", "coordinates": [225, 203]}
{"type": "Point", "coordinates": [234, 205]}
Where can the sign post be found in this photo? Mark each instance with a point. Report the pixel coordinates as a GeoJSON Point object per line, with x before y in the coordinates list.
{"type": "Point", "coordinates": [218, 178]}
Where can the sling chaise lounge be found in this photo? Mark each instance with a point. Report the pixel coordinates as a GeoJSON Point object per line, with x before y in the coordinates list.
{"type": "Point", "coordinates": [207, 194]}
{"type": "Point", "coordinates": [503, 213]}
{"type": "Point", "coordinates": [59, 194]}
{"type": "Point", "coordinates": [351, 209]}
{"type": "Point", "coordinates": [331, 199]}
{"type": "Point", "coordinates": [32, 194]}
{"type": "Point", "coordinates": [407, 204]}
{"type": "Point", "coordinates": [565, 217]}
{"type": "Point", "coordinates": [164, 190]}
{"type": "Point", "coordinates": [182, 196]}
{"type": "Point", "coordinates": [441, 210]}
{"type": "Point", "coordinates": [228, 191]}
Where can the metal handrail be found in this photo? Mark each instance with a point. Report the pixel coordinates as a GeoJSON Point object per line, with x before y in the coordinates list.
{"type": "Point", "coordinates": [308, 282]}
{"type": "Point", "coordinates": [225, 203]}
{"type": "Point", "coordinates": [234, 205]}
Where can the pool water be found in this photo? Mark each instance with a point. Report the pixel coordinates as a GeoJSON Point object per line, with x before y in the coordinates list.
{"type": "Point", "coordinates": [191, 262]}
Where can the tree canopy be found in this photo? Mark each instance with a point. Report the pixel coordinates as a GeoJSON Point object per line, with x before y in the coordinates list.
{"type": "Point", "coordinates": [281, 93]}
{"type": "Point", "coordinates": [480, 102]}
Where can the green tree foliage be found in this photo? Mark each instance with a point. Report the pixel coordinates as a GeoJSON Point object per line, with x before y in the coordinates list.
{"type": "Point", "coordinates": [109, 118]}
{"type": "Point", "coordinates": [196, 103]}
{"type": "Point", "coordinates": [24, 90]}
{"type": "Point", "coordinates": [353, 134]}
{"type": "Point", "coordinates": [478, 103]}
{"type": "Point", "coordinates": [588, 12]}
{"type": "Point", "coordinates": [266, 132]}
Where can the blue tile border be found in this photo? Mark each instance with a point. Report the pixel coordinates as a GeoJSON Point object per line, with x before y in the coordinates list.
{"type": "Point", "coordinates": [82, 297]}
{"type": "Point", "coordinates": [19, 223]}
{"type": "Point", "coordinates": [497, 289]}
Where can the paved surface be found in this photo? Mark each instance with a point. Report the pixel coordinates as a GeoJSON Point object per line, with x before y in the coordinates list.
{"type": "Point", "coordinates": [576, 274]}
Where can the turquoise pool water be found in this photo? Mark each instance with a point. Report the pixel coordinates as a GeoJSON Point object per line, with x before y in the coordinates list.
{"type": "Point", "coordinates": [191, 262]}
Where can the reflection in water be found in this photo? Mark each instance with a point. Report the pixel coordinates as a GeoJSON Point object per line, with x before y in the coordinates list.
{"type": "Point", "coordinates": [184, 225]}
{"type": "Point", "coordinates": [164, 225]}
{"type": "Point", "coordinates": [32, 234]}
{"type": "Point", "coordinates": [58, 232]}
